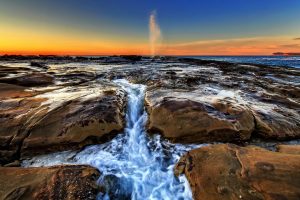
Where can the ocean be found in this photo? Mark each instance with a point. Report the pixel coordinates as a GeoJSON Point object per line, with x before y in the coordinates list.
{"type": "Point", "coordinates": [288, 61]}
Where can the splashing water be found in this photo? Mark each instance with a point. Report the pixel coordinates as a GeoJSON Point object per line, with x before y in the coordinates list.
{"type": "Point", "coordinates": [133, 165]}
{"type": "Point", "coordinates": [155, 33]}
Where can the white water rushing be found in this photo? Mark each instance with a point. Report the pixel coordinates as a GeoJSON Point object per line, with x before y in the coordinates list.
{"type": "Point", "coordinates": [133, 165]}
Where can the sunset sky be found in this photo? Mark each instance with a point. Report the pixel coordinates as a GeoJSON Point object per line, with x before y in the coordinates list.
{"type": "Point", "coordinates": [187, 27]}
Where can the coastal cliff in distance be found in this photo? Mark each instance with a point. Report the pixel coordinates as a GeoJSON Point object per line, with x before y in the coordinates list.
{"type": "Point", "coordinates": [285, 54]}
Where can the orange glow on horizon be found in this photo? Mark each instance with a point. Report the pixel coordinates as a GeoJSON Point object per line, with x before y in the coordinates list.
{"type": "Point", "coordinates": [26, 41]}
{"type": "Point", "coordinates": [207, 48]}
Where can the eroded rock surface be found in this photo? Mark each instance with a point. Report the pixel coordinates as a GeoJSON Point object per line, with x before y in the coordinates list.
{"type": "Point", "coordinates": [59, 182]}
{"type": "Point", "coordinates": [40, 124]}
{"type": "Point", "coordinates": [64, 115]}
{"type": "Point", "coordinates": [183, 120]}
{"type": "Point", "coordinates": [290, 149]}
{"type": "Point", "coordinates": [76, 123]}
{"type": "Point", "coordinates": [232, 172]}
{"type": "Point", "coordinates": [188, 100]}
{"type": "Point", "coordinates": [209, 97]}
{"type": "Point", "coordinates": [30, 79]}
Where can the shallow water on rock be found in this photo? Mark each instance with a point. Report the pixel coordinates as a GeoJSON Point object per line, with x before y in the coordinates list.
{"type": "Point", "coordinates": [133, 165]}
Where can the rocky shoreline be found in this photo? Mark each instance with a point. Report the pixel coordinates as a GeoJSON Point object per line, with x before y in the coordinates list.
{"type": "Point", "coordinates": [50, 104]}
{"type": "Point", "coordinates": [227, 171]}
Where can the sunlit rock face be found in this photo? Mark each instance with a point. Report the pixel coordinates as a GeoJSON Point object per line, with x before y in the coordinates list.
{"type": "Point", "coordinates": [233, 172]}
{"type": "Point", "coordinates": [218, 101]}
{"type": "Point", "coordinates": [67, 113]}
{"type": "Point", "coordinates": [61, 120]}
{"type": "Point", "coordinates": [271, 94]}
{"type": "Point", "coordinates": [290, 149]}
{"type": "Point", "coordinates": [183, 120]}
{"type": "Point", "coordinates": [76, 123]}
{"type": "Point", "coordinates": [60, 182]}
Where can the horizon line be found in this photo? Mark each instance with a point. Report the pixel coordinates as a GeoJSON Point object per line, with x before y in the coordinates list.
{"type": "Point", "coordinates": [83, 55]}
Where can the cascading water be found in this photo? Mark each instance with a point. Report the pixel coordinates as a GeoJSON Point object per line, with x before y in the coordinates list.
{"type": "Point", "coordinates": [133, 165]}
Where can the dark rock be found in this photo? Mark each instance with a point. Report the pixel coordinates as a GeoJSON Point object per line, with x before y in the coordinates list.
{"type": "Point", "coordinates": [133, 58]}
{"type": "Point", "coordinates": [116, 188]}
{"type": "Point", "coordinates": [59, 182]}
{"type": "Point", "coordinates": [31, 79]}
{"type": "Point", "coordinates": [39, 65]}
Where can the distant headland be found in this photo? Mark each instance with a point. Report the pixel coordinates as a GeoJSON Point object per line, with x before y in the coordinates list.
{"type": "Point", "coordinates": [285, 54]}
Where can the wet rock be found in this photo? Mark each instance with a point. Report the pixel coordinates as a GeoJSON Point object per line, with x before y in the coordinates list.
{"type": "Point", "coordinates": [272, 98]}
{"type": "Point", "coordinates": [198, 88]}
{"type": "Point", "coordinates": [63, 120]}
{"type": "Point", "coordinates": [14, 116]}
{"type": "Point", "coordinates": [290, 149]}
{"type": "Point", "coordinates": [8, 91]}
{"type": "Point", "coordinates": [16, 163]}
{"type": "Point", "coordinates": [39, 65]}
{"type": "Point", "coordinates": [280, 124]}
{"type": "Point", "coordinates": [30, 79]}
{"type": "Point", "coordinates": [6, 70]}
{"type": "Point", "coordinates": [133, 58]}
{"type": "Point", "coordinates": [230, 172]}
{"type": "Point", "coordinates": [75, 78]}
{"type": "Point", "coordinates": [276, 116]}
{"type": "Point", "coordinates": [115, 188]}
{"type": "Point", "coordinates": [184, 120]}
{"type": "Point", "coordinates": [75, 124]}
{"type": "Point", "coordinates": [59, 182]}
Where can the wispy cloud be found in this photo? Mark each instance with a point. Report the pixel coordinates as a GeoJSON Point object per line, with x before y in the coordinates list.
{"type": "Point", "coordinates": [297, 38]}
{"type": "Point", "coordinates": [290, 46]}
{"type": "Point", "coordinates": [235, 46]}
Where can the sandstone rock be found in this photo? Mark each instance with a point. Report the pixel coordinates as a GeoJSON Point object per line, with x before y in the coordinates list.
{"type": "Point", "coordinates": [270, 93]}
{"type": "Point", "coordinates": [30, 79]}
{"type": "Point", "coordinates": [7, 70]}
{"type": "Point", "coordinates": [32, 126]}
{"type": "Point", "coordinates": [184, 120]}
{"type": "Point", "coordinates": [280, 124]}
{"type": "Point", "coordinates": [14, 117]}
{"type": "Point", "coordinates": [290, 149]}
{"type": "Point", "coordinates": [8, 91]}
{"type": "Point", "coordinates": [59, 182]}
{"type": "Point", "coordinates": [76, 124]}
{"type": "Point", "coordinates": [232, 172]}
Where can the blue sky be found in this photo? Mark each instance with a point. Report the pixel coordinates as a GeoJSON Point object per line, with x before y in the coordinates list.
{"type": "Point", "coordinates": [180, 21]}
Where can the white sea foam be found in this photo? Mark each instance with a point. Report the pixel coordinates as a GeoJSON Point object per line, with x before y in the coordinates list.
{"type": "Point", "coordinates": [133, 165]}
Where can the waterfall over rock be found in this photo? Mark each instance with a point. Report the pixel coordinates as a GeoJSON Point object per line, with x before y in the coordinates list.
{"type": "Point", "coordinates": [133, 165]}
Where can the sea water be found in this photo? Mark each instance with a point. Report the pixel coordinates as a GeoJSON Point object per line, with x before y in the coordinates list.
{"type": "Point", "coordinates": [133, 165]}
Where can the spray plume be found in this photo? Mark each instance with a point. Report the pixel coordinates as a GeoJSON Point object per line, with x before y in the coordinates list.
{"type": "Point", "coordinates": [155, 33]}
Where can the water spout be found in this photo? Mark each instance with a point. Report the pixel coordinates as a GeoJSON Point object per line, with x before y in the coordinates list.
{"type": "Point", "coordinates": [154, 33]}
